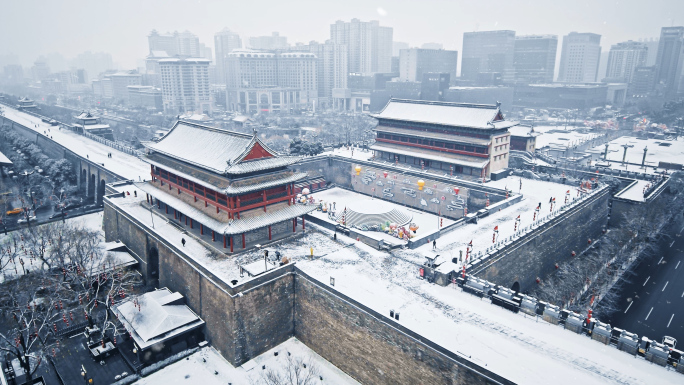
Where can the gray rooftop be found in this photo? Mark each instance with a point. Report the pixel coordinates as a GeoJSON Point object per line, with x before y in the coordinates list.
{"type": "Point", "coordinates": [219, 151]}
{"type": "Point", "coordinates": [480, 116]}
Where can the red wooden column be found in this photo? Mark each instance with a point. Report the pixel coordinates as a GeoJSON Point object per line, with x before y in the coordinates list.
{"type": "Point", "coordinates": [158, 204]}
{"type": "Point", "coordinates": [213, 236]}
{"type": "Point", "coordinates": [186, 220]}
{"type": "Point", "coordinates": [244, 245]}
{"type": "Point", "coordinates": [303, 224]}
{"type": "Point", "coordinates": [201, 229]}
{"type": "Point", "coordinates": [174, 213]}
{"type": "Point", "coordinates": [190, 222]}
{"type": "Point", "coordinates": [230, 239]}
{"type": "Point", "coordinates": [224, 241]}
{"type": "Point", "coordinates": [269, 232]}
{"type": "Point", "coordinates": [294, 224]}
{"type": "Point", "coordinates": [167, 208]}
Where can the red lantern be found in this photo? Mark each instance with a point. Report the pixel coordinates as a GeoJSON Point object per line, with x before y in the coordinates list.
{"type": "Point", "coordinates": [385, 174]}
{"type": "Point", "coordinates": [456, 190]}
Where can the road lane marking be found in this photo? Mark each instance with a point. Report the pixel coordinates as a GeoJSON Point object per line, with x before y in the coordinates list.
{"type": "Point", "coordinates": [630, 305]}
{"type": "Point", "coordinates": [665, 285]}
{"type": "Point", "coordinates": [649, 314]}
{"type": "Point", "coordinates": [668, 324]}
{"type": "Point", "coordinates": [661, 259]}
{"type": "Point", "coordinates": [649, 277]}
{"type": "Point", "coordinates": [682, 295]}
{"type": "Point", "coordinates": [678, 262]}
{"type": "Point", "coordinates": [672, 243]}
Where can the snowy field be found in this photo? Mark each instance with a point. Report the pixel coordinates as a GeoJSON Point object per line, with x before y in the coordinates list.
{"type": "Point", "coordinates": [207, 367]}
{"type": "Point", "coordinates": [427, 223]}
{"type": "Point", "coordinates": [128, 166]}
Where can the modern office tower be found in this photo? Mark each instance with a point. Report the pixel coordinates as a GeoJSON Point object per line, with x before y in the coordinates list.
{"type": "Point", "coordinates": [369, 45]}
{"type": "Point", "coordinates": [580, 57]}
{"type": "Point", "coordinates": [275, 41]}
{"type": "Point", "coordinates": [415, 62]}
{"type": "Point", "coordinates": [535, 58]}
{"type": "Point", "coordinates": [488, 52]}
{"type": "Point", "coordinates": [224, 42]}
{"type": "Point", "coordinates": [670, 60]}
{"type": "Point", "coordinates": [185, 85]}
{"type": "Point", "coordinates": [623, 59]}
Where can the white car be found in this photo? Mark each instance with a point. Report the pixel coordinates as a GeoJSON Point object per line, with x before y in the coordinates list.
{"type": "Point", "coordinates": [26, 220]}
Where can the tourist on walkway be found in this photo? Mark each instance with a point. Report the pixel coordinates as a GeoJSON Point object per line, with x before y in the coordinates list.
{"type": "Point", "coordinates": [183, 241]}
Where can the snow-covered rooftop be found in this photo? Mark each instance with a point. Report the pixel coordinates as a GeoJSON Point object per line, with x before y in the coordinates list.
{"type": "Point", "coordinates": [4, 161]}
{"type": "Point", "coordinates": [482, 116]}
{"type": "Point", "coordinates": [217, 150]}
{"type": "Point", "coordinates": [559, 137]}
{"type": "Point", "coordinates": [159, 315]}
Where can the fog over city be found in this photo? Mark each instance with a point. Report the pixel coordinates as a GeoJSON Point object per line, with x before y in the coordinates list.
{"type": "Point", "coordinates": [342, 192]}
{"type": "Point", "coordinates": [69, 27]}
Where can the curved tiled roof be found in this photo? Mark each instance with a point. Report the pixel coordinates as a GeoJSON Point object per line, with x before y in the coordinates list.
{"type": "Point", "coordinates": [216, 150]}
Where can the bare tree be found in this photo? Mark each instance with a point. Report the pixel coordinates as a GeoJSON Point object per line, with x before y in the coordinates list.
{"type": "Point", "coordinates": [294, 371]}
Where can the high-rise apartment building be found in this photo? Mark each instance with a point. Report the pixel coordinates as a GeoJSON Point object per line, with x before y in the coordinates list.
{"type": "Point", "coordinates": [415, 62]}
{"type": "Point", "coordinates": [623, 59]}
{"type": "Point", "coordinates": [332, 68]}
{"type": "Point", "coordinates": [397, 46]}
{"type": "Point", "coordinates": [270, 81]}
{"type": "Point", "coordinates": [185, 85]}
{"type": "Point", "coordinates": [488, 52]}
{"type": "Point", "coordinates": [275, 41]}
{"type": "Point", "coordinates": [580, 57]}
{"type": "Point", "coordinates": [177, 43]}
{"type": "Point", "coordinates": [670, 60]}
{"type": "Point", "coordinates": [535, 58]}
{"type": "Point", "coordinates": [369, 45]}
{"type": "Point", "coordinates": [224, 42]}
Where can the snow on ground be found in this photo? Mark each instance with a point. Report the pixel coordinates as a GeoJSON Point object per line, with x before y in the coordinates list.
{"type": "Point", "coordinates": [127, 166]}
{"type": "Point", "coordinates": [636, 191]}
{"type": "Point", "coordinates": [533, 191]}
{"type": "Point", "coordinates": [523, 349]}
{"type": "Point", "coordinates": [202, 367]}
{"type": "Point", "coordinates": [427, 223]}
{"type": "Point", "coordinates": [558, 136]}
{"type": "Point", "coordinates": [352, 153]}
{"type": "Point", "coordinates": [671, 152]}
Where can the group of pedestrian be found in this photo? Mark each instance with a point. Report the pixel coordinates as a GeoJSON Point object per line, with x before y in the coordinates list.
{"type": "Point", "coordinates": [109, 155]}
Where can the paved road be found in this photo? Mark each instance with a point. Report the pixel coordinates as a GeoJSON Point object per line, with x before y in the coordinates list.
{"type": "Point", "coordinates": [653, 303]}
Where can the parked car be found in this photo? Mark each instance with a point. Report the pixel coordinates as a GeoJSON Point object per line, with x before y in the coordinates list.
{"type": "Point", "coordinates": [26, 220]}
{"type": "Point", "coordinates": [58, 215]}
{"type": "Point", "coordinates": [15, 211]}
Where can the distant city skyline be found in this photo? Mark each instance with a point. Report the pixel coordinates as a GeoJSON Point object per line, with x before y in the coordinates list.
{"type": "Point", "coordinates": [123, 33]}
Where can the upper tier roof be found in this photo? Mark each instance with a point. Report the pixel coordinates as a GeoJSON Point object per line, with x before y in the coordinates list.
{"type": "Point", "coordinates": [216, 150]}
{"type": "Point", "coordinates": [481, 116]}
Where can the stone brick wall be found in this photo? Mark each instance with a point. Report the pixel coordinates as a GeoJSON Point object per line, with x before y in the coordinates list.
{"type": "Point", "coordinates": [372, 348]}
{"type": "Point", "coordinates": [536, 254]}
{"type": "Point", "coordinates": [243, 320]}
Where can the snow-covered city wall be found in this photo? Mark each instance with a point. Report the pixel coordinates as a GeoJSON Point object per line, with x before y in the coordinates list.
{"type": "Point", "coordinates": [536, 254]}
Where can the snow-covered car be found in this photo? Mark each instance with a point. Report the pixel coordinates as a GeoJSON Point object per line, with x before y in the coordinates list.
{"type": "Point", "coordinates": [26, 219]}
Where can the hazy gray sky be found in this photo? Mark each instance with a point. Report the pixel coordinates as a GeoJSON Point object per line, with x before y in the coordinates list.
{"type": "Point", "coordinates": [30, 28]}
